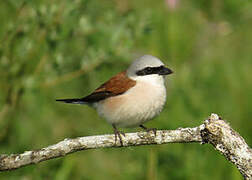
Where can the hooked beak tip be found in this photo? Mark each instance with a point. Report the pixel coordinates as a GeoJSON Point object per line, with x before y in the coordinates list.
{"type": "Point", "coordinates": [165, 71]}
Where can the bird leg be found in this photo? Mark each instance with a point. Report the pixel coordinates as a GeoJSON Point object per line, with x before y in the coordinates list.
{"type": "Point", "coordinates": [154, 130]}
{"type": "Point", "coordinates": [118, 133]}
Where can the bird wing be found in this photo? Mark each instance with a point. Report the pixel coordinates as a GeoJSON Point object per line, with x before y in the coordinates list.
{"type": "Point", "coordinates": [117, 85]}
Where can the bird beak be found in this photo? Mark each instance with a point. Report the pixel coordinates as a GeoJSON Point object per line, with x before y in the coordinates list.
{"type": "Point", "coordinates": [165, 71]}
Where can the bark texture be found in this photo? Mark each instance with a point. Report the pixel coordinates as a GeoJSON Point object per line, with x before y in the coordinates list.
{"type": "Point", "coordinates": [214, 131]}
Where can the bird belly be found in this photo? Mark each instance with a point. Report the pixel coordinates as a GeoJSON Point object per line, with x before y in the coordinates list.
{"type": "Point", "coordinates": [138, 105]}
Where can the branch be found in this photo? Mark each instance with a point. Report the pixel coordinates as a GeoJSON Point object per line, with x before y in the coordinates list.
{"type": "Point", "coordinates": [214, 131]}
{"type": "Point", "coordinates": [229, 143]}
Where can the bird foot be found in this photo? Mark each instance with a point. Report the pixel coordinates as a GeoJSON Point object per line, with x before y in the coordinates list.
{"type": "Point", "coordinates": [154, 130]}
{"type": "Point", "coordinates": [118, 134]}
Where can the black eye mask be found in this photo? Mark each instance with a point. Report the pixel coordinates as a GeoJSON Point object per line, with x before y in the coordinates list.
{"type": "Point", "coordinates": [161, 70]}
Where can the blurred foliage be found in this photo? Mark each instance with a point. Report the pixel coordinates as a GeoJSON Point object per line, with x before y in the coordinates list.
{"type": "Point", "coordinates": [59, 49]}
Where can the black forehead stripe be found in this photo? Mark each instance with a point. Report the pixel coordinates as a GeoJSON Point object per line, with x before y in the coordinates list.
{"type": "Point", "coordinates": [149, 70]}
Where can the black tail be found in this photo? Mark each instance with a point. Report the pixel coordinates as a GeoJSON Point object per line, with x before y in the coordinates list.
{"type": "Point", "coordinates": [72, 101]}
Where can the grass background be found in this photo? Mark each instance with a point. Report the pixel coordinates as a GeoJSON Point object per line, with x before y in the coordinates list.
{"type": "Point", "coordinates": [57, 49]}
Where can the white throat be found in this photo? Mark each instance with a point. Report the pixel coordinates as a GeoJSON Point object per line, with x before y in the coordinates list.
{"type": "Point", "coordinates": [153, 79]}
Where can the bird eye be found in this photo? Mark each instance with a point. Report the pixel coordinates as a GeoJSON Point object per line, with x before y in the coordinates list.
{"type": "Point", "coordinates": [145, 71]}
{"type": "Point", "coordinates": [148, 69]}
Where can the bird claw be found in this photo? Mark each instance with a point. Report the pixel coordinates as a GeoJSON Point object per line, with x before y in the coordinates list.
{"type": "Point", "coordinates": [154, 130]}
{"type": "Point", "coordinates": [118, 133]}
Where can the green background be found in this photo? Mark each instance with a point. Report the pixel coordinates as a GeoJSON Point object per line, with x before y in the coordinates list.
{"type": "Point", "coordinates": [62, 49]}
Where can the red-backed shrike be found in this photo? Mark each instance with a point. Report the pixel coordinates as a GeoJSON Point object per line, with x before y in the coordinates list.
{"type": "Point", "coordinates": [132, 97]}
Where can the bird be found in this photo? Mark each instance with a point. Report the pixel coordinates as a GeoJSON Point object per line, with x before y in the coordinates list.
{"type": "Point", "coordinates": [131, 97]}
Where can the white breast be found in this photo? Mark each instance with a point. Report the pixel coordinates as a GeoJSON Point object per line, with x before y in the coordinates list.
{"type": "Point", "coordinates": [139, 104]}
